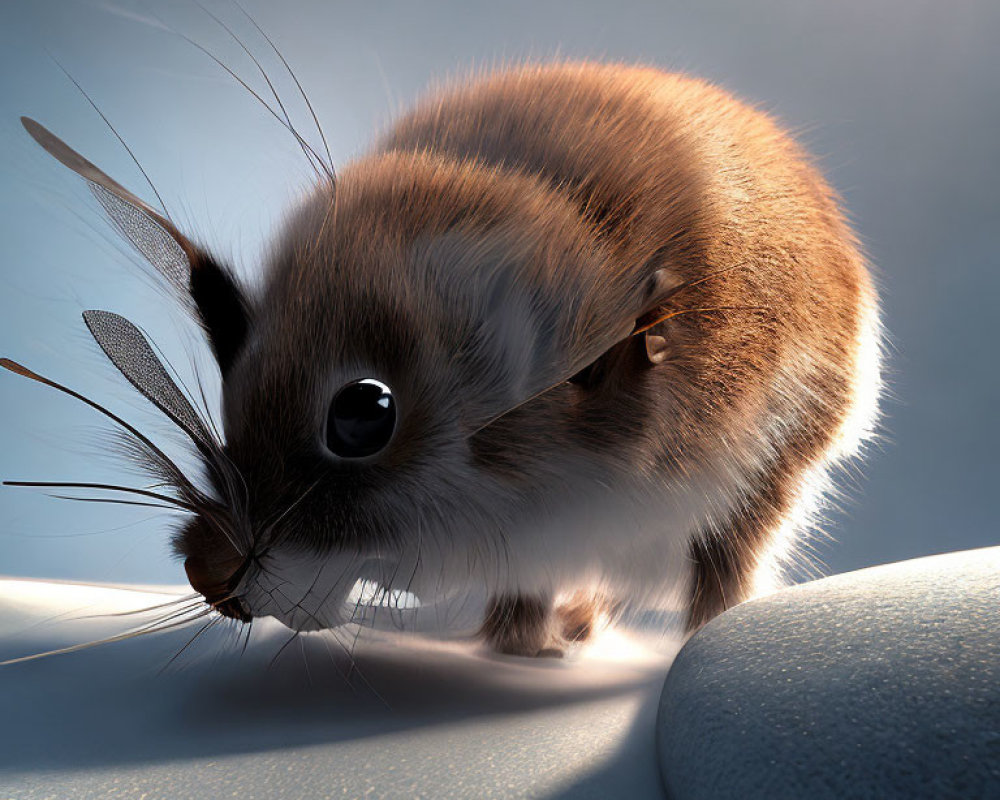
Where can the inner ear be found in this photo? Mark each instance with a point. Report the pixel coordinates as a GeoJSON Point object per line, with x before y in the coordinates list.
{"type": "Point", "coordinates": [629, 354]}
{"type": "Point", "coordinates": [222, 307]}
{"type": "Point", "coordinates": [654, 348]}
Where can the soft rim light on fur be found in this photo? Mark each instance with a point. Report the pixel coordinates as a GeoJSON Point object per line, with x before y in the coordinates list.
{"type": "Point", "coordinates": [817, 484]}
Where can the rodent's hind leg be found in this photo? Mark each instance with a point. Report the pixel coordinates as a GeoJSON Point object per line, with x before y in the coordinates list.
{"type": "Point", "coordinates": [520, 625]}
{"type": "Point", "coordinates": [726, 561]}
{"type": "Point", "coordinates": [719, 580]}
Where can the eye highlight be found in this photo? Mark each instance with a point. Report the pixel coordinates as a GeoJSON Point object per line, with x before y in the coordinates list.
{"type": "Point", "coordinates": [361, 419]}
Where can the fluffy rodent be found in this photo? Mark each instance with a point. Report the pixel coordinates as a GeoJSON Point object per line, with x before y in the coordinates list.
{"type": "Point", "coordinates": [612, 331]}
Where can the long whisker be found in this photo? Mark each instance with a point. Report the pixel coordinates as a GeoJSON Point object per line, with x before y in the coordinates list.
{"type": "Point", "coordinates": [312, 153]}
{"type": "Point", "coordinates": [641, 326]}
{"type": "Point", "coordinates": [710, 310]}
{"type": "Point", "coordinates": [167, 474]}
{"type": "Point", "coordinates": [120, 637]}
{"type": "Point", "coordinates": [189, 642]}
{"type": "Point", "coordinates": [187, 598]}
{"type": "Point", "coordinates": [177, 614]}
{"type": "Point", "coordinates": [267, 106]}
{"type": "Point", "coordinates": [325, 638]}
{"type": "Point", "coordinates": [281, 649]}
{"type": "Point", "coordinates": [353, 669]}
{"type": "Point", "coordinates": [118, 136]}
{"type": "Point", "coordinates": [102, 532]}
{"type": "Point", "coordinates": [641, 323]}
{"type": "Point", "coordinates": [105, 486]}
{"type": "Point", "coordinates": [305, 661]}
{"type": "Point", "coordinates": [246, 641]}
{"type": "Point", "coordinates": [23, 371]}
{"type": "Point", "coordinates": [704, 278]}
{"type": "Point", "coordinates": [260, 69]}
{"type": "Point", "coordinates": [206, 412]}
{"type": "Point", "coordinates": [113, 501]}
{"type": "Point", "coordinates": [291, 72]}
{"type": "Point", "coordinates": [269, 528]}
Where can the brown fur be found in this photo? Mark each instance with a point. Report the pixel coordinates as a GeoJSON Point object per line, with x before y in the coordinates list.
{"type": "Point", "coordinates": [531, 625]}
{"type": "Point", "coordinates": [585, 284]}
{"type": "Point", "coordinates": [519, 625]}
{"type": "Point", "coordinates": [671, 171]}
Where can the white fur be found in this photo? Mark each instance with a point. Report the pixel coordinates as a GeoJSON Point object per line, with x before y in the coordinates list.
{"type": "Point", "coordinates": [857, 427]}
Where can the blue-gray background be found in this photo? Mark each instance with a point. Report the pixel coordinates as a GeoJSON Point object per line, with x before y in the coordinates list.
{"type": "Point", "coordinates": [898, 99]}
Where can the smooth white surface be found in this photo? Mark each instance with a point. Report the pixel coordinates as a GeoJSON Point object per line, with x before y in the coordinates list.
{"type": "Point", "coordinates": [413, 717]}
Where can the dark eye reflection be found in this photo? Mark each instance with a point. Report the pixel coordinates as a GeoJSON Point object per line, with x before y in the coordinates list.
{"type": "Point", "coordinates": [361, 419]}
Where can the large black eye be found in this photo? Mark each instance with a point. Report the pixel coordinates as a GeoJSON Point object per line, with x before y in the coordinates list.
{"type": "Point", "coordinates": [361, 420]}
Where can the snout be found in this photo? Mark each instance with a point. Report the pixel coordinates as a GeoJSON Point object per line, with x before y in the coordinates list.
{"type": "Point", "coordinates": [217, 582]}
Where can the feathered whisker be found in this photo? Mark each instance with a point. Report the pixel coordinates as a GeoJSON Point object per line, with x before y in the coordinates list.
{"type": "Point", "coordinates": [213, 453]}
{"type": "Point", "coordinates": [156, 462]}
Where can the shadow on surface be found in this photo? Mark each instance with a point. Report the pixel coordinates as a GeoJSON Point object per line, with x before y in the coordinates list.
{"type": "Point", "coordinates": [116, 705]}
{"type": "Point", "coordinates": [633, 771]}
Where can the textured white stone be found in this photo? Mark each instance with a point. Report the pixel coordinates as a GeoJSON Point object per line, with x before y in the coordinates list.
{"type": "Point", "coordinates": [879, 683]}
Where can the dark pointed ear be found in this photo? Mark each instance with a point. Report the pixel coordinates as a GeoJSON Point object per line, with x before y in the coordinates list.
{"type": "Point", "coordinates": [223, 310]}
{"type": "Point", "coordinates": [202, 282]}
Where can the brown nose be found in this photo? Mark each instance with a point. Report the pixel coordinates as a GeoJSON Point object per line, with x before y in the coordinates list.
{"type": "Point", "coordinates": [216, 581]}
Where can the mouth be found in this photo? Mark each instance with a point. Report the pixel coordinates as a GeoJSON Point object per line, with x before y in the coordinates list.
{"type": "Point", "coordinates": [306, 593]}
{"type": "Point", "coordinates": [218, 585]}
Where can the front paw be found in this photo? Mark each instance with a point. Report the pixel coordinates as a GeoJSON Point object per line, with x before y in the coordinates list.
{"type": "Point", "coordinates": [518, 625]}
{"type": "Point", "coordinates": [532, 627]}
